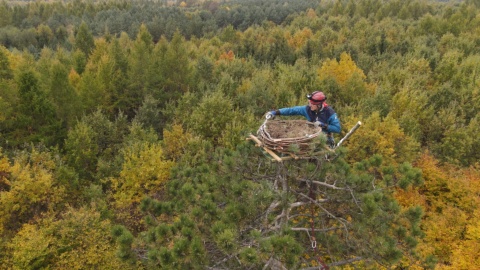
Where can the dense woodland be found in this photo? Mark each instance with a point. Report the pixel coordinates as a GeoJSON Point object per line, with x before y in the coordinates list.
{"type": "Point", "coordinates": [123, 126]}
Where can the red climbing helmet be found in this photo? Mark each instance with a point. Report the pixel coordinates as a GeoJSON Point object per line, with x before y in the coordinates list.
{"type": "Point", "coordinates": [316, 98]}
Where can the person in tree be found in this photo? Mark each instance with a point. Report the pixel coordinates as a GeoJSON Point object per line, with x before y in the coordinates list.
{"type": "Point", "coordinates": [317, 111]}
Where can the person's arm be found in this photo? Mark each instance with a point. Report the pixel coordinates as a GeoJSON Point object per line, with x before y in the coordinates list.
{"type": "Point", "coordinates": [297, 110]}
{"type": "Point", "coordinates": [334, 124]}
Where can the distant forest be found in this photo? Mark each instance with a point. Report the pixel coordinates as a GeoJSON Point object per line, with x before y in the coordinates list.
{"type": "Point", "coordinates": [42, 24]}
{"type": "Point", "coordinates": [123, 129]}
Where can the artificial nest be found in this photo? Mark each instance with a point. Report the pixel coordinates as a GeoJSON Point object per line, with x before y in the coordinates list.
{"type": "Point", "coordinates": [298, 137]}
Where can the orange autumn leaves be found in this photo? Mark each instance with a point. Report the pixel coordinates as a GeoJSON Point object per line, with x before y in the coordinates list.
{"type": "Point", "coordinates": [450, 201]}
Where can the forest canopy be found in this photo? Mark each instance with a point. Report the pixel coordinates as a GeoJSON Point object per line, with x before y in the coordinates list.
{"type": "Point", "coordinates": [123, 127]}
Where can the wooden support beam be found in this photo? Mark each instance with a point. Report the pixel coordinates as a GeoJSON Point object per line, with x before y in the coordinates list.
{"type": "Point", "coordinates": [255, 139]}
{"type": "Point", "coordinates": [275, 156]}
{"type": "Point", "coordinates": [293, 156]}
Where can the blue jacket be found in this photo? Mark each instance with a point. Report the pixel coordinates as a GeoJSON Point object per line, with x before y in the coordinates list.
{"type": "Point", "coordinates": [327, 115]}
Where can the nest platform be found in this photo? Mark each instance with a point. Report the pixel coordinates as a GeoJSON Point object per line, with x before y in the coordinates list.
{"type": "Point", "coordinates": [288, 139]}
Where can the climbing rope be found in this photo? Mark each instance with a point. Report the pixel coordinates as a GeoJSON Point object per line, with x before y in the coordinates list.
{"type": "Point", "coordinates": [313, 240]}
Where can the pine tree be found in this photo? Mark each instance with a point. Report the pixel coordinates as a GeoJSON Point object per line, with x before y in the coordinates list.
{"type": "Point", "coordinates": [6, 72]}
{"type": "Point", "coordinates": [7, 95]}
{"type": "Point", "coordinates": [35, 119]}
{"type": "Point", "coordinates": [63, 94]}
{"type": "Point", "coordinates": [139, 61]}
{"type": "Point", "coordinates": [236, 210]}
{"type": "Point", "coordinates": [84, 39]}
{"type": "Point", "coordinates": [177, 68]}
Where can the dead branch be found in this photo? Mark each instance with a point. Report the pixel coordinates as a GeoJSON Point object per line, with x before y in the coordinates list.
{"type": "Point", "coordinates": [321, 184]}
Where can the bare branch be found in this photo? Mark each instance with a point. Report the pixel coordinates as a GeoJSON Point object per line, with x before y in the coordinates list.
{"type": "Point", "coordinates": [315, 229]}
{"type": "Point", "coordinates": [267, 264]}
{"type": "Point", "coordinates": [355, 199]}
{"type": "Point", "coordinates": [297, 204]}
{"type": "Point", "coordinates": [270, 209]}
{"type": "Point", "coordinates": [275, 264]}
{"type": "Point", "coordinates": [342, 221]}
{"type": "Point", "coordinates": [321, 184]}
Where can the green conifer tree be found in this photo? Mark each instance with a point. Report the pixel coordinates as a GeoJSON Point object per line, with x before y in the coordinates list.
{"type": "Point", "coordinates": [139, 61]}
{"type": "Point", "coordinates": [5, 70]}
{"type": "Point", "coordinates": [35, 119]}
{"type": "Point", "coordinates": [63, 94]}
{"type": "Point", "coordinates": [84, 39]}
{"type": "Point", "coordinates": [237, 210]}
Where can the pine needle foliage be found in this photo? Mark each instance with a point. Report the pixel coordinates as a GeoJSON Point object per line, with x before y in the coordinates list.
{"type": "Point", "coordinates": [237, 205]}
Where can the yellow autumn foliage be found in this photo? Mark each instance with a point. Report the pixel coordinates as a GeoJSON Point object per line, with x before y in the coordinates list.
{"type": "Point", "coordinates": [311, 13]}
{"type": "Point", "coordinates": [74, 78]}
{"type": "Point", "coordinates": [5, 171]}
{"type": "Point", "coordinates": [28, 246]}
{"type": "Point", "coordinates": [465, 254]}
{"type": "Point", "coordinates": [341, 70]}
{"type": "Point", "coordinates": [350, 79]}
{"type": "Point", "coordinates": [175, 141]}
{"type": "Point", "coordinates": [451, 205]}
{"type": "Point", "coordinates": [381, 136]}
{"type": "Point", "coordinates": [299, 38]}
{"type": "Point", "coordinates": [144, 172]}
{"type": "Point", "coordinates": [29, 190]}
{"type": "Point", "coordinates": [80, 239]}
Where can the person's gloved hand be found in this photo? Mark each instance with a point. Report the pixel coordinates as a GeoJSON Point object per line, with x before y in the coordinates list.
{"type": "Point", "coordinates": [270, 115]}
{"type": "Point", "coordinates": [321, 124]}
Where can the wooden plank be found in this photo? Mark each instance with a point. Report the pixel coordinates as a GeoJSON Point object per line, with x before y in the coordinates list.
{"type": "Point", "coordinates": [256, 140]}
{"type": "Point", "coordinates": [287, 158]}
{"type": "Point", "coordinates": [277, 158]}
{"type": "Point", "coordinates": [293, 156]}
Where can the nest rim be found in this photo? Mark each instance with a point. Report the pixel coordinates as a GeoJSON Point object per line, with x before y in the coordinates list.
{"type": "Point", "coordinates": [284, 145]}
{"type": "Point", "coordinates": [264, 129]}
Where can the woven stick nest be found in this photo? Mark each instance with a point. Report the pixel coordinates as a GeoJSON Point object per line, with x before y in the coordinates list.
{"type": "Point", "coordinates": [289, 136]}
